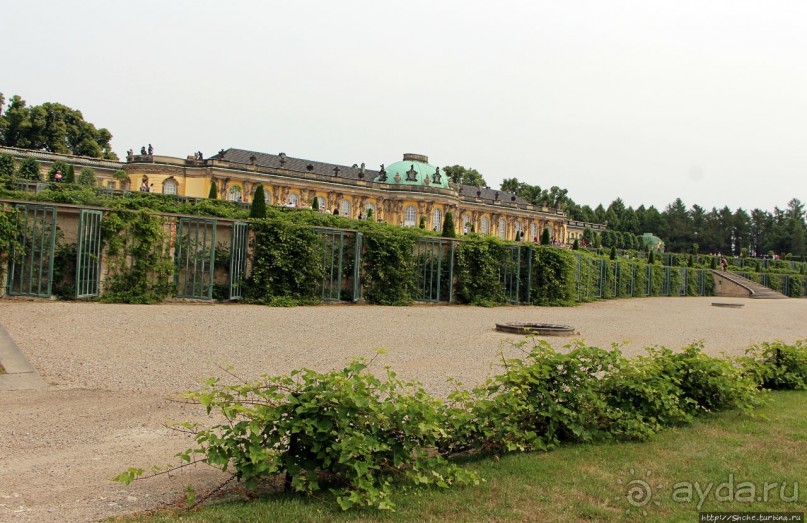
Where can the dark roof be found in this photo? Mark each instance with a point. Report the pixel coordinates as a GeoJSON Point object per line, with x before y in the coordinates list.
{"type": "Point", "coordinates": [491, 194]}
{"type": "Point", "coordinates": [273, 161]}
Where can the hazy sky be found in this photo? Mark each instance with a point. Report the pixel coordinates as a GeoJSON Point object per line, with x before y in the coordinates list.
{"type": "Point", "coordinates": [644, 100]}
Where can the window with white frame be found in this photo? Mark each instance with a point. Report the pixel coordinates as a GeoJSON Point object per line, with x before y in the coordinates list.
{"type": "Point", "coordinates": [485, 226]}
{"type": "Point", "coordinates": [466, 223]}
{"type": "Point", "coordinates": [234, 194]}
{"type": "Point", "coordinates": [437, 220]}
{"type": "Point", "coordinates": [534, 232]}
{"type": "Point", "coordinates": [369, 207]}
{"type": "Point", "coordinates": [170, 186]}
{"type": "Point", "coordinates": [502, 228]}
{"type": "Point", "coordinates": [344, 208]}
{"type": "Point", "coordinates": [293, 200]}
{"type": "Point", "coordinates": [518, 230]}
{"type": "Point", "coordinates": [410, 216]}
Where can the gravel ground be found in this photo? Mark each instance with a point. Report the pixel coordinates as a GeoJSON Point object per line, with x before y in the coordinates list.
{"type": "Point", "coordinates": [112, 368]}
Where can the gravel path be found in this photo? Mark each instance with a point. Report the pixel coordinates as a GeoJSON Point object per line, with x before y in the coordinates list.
{"type": "Point", "coordinates": [111, 368]}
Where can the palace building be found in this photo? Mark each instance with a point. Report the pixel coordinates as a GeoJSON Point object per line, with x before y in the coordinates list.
{"type": "Point", "coordinates": [402, 193]}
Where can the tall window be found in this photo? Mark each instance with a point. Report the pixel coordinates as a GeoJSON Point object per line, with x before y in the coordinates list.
{"type": "Point", "coordinates": [518, 230]}
{"type": "Point", "coordinates": [485, 225]}
{"type": "Point", "coordinates": [437, 220]}
{"type": "Point", "coordinates": [502, 229]}
{"type": "Point", "coordinates": [294, 200]}
{"type": "Point", "coordinates": [534, 231]}
{"type": "Point", "coordinates": [344, 208]}
{"type": "Point", "coordinates": [410, 216]}
{"type": "Point", "coordinates": [234, 194]}
{"type": "Point", "coordinates": [169, 186]}
{"type": "Point", "coordinates": [466, 223]}
{"type": "Point", "coordinates": [370, 207]}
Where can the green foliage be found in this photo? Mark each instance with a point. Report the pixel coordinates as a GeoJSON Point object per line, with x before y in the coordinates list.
{"type": "Point", "coordinates": [422, 223]}
{"type": "Point", "coordinates": [778, 366]}
{"type": "Point", "coordinates": [287, 264]}
{"type": "Point", "coordinates": [388, 270]}
{"type": "Point", "coordinates": [369, 215]}
{"type": "Point", "coordinates": [53, 127]}
{"type": "Point", "coordinates": [459, 174]}
{"type": "Point", "coordinates": [545, 240]}
{"type": "Point", "coordinates": [6, 165]}
{"type": "Point", "coordinates": [478, 262]}
{"type": "Point", "coordinates": [612, 256]}
{"type": "Point", "coordinates": [449, 230]}
{"type": "Point", "coordinates": [315, 203]}
{"type": "Point", "coordinates": [344, 431]}
{"type": "Point", "coordinates": [553, 280]}
{"type": "Point", "coordinates": [29, 170]}
{"type": "Point", "coordinates": [359, 437]}
{"type": "Point", "coordinates": [258, 209]}
{"type": "Point", "coordinates": [62, 168]}
{"type": "Point", "coordinates": [87, 177]}
{"type": "Point", "coordinates": [214, 192]}
{"type": "Point", "coordinates": [139, 269]}
{"type": "Point", "coordinates": [576, 245]}
{"type": "Point", "coordinates": [651, 258]}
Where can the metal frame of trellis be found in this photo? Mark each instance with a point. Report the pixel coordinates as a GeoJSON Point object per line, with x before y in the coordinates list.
{"type": "Point", "coordinates": [31, 268]}
{"type": "Point", "coordinates": [429, 256]}
{"type": "Point", "coordinates": [239, 250]}
{"type": "Point", "coordinates": [88, 254]}
{"type": "Point", "coordinates": [195, 255]}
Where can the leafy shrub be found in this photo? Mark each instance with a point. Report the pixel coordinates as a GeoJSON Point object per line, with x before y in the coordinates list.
{"type": "Point", "coordinates": [778, 366]}
{"type": "Point", "coordinates": [287, 263]}
{"type": "Point", "coordinates": [28, 169]}
{"type": "Point", "coordinates": [553, 279]}
{"type": "Point", "coordinates": [478, 260]}
{"type": "Point", "coordinates": [388, 270]}
{"type": "Point", "coordinates": [343, 431]}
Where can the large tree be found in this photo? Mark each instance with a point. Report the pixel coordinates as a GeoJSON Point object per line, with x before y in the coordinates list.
{"type": "Point", "coordinates": [459, 174]}
{"type": "Point", "coordinates": [52, 127]}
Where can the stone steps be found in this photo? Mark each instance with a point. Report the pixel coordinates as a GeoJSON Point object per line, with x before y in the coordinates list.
{"type": "Point", "coordinates": [759, 292]}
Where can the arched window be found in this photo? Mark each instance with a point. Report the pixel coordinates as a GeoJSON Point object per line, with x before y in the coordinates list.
{"type": "Point", "coordinates": [294, 200]}
{"type": "Point", "coordinates": [170, 186]}
{"type": "Point", "coordinates": [369, 207]}
{"type": "Point", "coordinates": [410, 216]}
{"type": "Point", "coordinates": [502, 228]}
{"type": "Point", "coordinates": [485, 225]}
{"type": "Point", "coordinates": [234, 194]}
{"type": "Point", "coordinates": [533, 231]}
{"type": "Point", "coordinates": [437, 220]}
{"type": "Point", "coordinates": [344, 208]}
{"type": "Point", "coordinates": [466, 223]}
{"type": "Point", "coordinates": [518, 230]}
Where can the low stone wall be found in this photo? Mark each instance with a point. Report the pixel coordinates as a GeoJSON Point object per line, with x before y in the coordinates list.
{"type": "Point", "coordinates": [724, 287]}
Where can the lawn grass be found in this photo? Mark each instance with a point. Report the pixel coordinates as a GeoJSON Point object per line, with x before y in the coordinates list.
{"type": "Point", "coordinates": [591, 482]}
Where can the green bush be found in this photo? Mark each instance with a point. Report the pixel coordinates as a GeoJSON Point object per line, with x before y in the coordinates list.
{"type": "Point", "coordinates": [778, 366]}
{"type": "Point", "coordinates": [87, 177]}
{"type": "Point", "coordinates": [28, 169]}
{"type": "Point", "coordinates": [287, 264]}
{"type": "Point", "coordinates": [554, 276]}
{"type": "Point", "coordinates": [258, 208]}
{"type": "Point", "coordinates": [478, 261]}
{"type": "Point", "coordinates": [388, 270]}
{"type": "Point", "coordinates": [6, 165]}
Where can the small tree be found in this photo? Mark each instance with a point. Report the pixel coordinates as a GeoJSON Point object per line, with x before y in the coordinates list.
{"type": "Point", "coordinates": [314, 204]}
{"type": "Point", "coordinates": [6, 165]}
{"type": "Point", "coordinates": [651, 258]}
{"type": "Point", "coordinates": [121, 176]}
{"type": "Point", "coordinates": [214, 192]}
{"type": "Point", "coordinates": [576, 245]}
{"type": "Point", "coordinates": [597, 240]}
{"type": "Point", "coordinates": [87, 177]}
{"type": "Point", "coordinates": [613, 252]}
{"type": "Point", "coordinates": [713, 263]}
{"type": "Point", "coordinates": [70, 175]}
{"type": "Point", "coordinates": [370, 214]}
{"type": "Point", "coordinates": [691, 261]}
{"type": "Point", "coordinates": [422, 224]}
{"type": "Point", "coordinates": [61, 168]}
{"type": "Point", "coordinates": [545, 237]}
{"type": "Point", "coordinates": [473, 228]}
{"type": "Point", "coordinates": [448, 226]}
{"type": "Point", "coordinates": [29, 170]}
{"type": "Point", "coordinates": [258, 209]}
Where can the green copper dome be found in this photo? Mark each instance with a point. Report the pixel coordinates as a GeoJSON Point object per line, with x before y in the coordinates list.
{"type": "Point", "coordinates": [414, 169]}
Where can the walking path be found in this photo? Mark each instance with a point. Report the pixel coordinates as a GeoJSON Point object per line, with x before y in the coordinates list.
{"type": "Point", "coordinates": [111, 371]}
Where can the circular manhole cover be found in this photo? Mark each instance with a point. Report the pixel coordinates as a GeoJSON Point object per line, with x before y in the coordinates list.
{"type": "Point", "coordinates": [728, 305]}
{"type": "Point", "coordinates": [541, 329]}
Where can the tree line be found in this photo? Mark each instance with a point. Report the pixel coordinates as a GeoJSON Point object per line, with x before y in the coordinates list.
{"type": "Point", "coordinates": [51, 127]}
{"type": "Point", "coordinates": [683, 229]}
